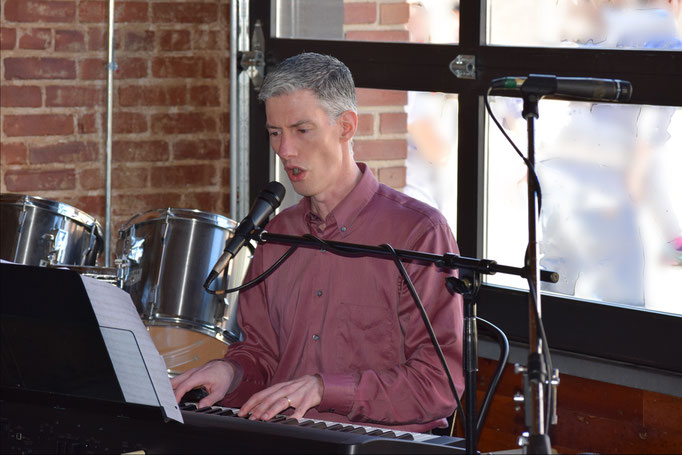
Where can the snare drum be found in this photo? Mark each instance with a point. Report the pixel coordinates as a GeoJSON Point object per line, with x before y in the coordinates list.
{"type": "Point", "coordinates": [167, 255]}
{"type": "Point", "coordinates": [37, 231]}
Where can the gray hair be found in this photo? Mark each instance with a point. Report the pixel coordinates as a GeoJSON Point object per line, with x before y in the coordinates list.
{"type": "Point", "coordinates": [326, 76]}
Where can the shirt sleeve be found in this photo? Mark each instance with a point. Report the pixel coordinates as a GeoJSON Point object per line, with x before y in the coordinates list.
{"type": "Point", "coordinates": [417, 390]}
{"type": "Point", "coordinates": [255, 358]}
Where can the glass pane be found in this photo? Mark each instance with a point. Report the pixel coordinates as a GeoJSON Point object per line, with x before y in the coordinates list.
{"type": "Point", "coordinates": [611, 199]}
{"type": "Point", "coordinates": [625, 24]}
{"type": "Point", "coordinates": [425, 21]}
{"type": "Point", "coordinates": [411, 134]}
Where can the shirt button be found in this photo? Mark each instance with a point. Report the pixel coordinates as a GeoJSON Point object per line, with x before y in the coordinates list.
{"type": "Point", "coordinates": [316, 337]}
{"type": "Point", "coordinates": [343, 228]}
{"type": "Point", "coordinates": [319, 293]}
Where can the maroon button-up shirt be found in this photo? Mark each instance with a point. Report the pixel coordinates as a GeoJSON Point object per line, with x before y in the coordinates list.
{"type": "Point", "coordinates": [352, 320]}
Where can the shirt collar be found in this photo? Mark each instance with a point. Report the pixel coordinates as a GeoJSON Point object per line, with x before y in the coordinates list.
{"type": "Point", "coordinates": [347, 211]}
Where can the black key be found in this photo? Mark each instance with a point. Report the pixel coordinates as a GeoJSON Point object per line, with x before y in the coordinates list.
{"type": "Point", "coordinates": [214, 411]}
{"type": "Point", "coordinates": [227, 412]}
{"type": "Point", "coordinates": [306, 423]}
{"type": "Point", "coordinates": [387, 434]}
{"type": "Point", "coordinates": [204, 409]}
{"type": "Point", "coordinates": [188, 407]}
{"type": "Point", "coordinates": [335, 427]}
{"type": "Point", "coordinates": [320, 425]}
{"type": "Point", "coordinates": [359, 430]}
{"type": "Point", "coordinates": [375, 432]}
{"type": "Point", "coordinates": [278, 419]}
{"type": "Point", "coordinates": [406, 437]}
{"type": "Point", "coordinates": [290, 421]}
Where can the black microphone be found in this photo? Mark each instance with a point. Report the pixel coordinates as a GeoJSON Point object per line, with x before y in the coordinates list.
{"type": "Point", "coordinates": [576, 87]}
{"type": "Point", "coordinates": [266, 203]}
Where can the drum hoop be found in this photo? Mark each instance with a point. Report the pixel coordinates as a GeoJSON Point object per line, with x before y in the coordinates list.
{"type": "Point", "coordinates": [149, 216]}
{"type": "Point", "coordinates": [57, 207]}
{"type": "Point", "coordinates": [205, 329]}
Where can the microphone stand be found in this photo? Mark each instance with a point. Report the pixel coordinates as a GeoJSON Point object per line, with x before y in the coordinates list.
{"type": "Point", "coordinates": [535, 374]}
{"type": "Point", "coordinates": [468, 285]}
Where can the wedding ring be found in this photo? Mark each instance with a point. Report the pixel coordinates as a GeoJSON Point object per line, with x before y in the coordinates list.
{"type": "Point", "coordinates": [288, 400]}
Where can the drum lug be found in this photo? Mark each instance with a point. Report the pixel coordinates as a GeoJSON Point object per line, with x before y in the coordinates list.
{"type": "Point", "coordinates": [122, 270]}
{"type": "Point", "coordinates": [56, 241]}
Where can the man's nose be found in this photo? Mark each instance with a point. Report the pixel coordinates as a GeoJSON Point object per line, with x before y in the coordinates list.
{"type": "Point", "coordinates": [286, 148]}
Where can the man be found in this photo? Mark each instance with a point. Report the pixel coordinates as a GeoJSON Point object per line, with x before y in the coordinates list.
{"type": "Point", "coordinates": [338, 338]}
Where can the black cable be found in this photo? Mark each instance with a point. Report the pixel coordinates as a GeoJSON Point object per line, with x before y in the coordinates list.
{"type": "Point", "coordinates": [427, 323]}
{"type": "Point", "coordinates": [503, 342]}
{"type": "Point", "coordinates": [259, 278]}
{"type": "Point", "coordinates": [531, 168]}
{"type": "Point", "coordinates": [549, 391]}
{"type": "Point", "coordinates": [417, 302]}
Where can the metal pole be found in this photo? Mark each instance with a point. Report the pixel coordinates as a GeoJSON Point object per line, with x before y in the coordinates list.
{"type": "Point", "coordinates": [234, 26]}
{"type": "Point", "coordinates": [111, 67]}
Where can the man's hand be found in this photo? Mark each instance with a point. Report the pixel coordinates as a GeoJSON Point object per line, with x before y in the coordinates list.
{"type": "Point", "coordinates": [215, 376]}
{"type": "Point", "coordinates": [301, 394]}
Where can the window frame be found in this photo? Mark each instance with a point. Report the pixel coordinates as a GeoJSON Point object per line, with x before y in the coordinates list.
{"type": "Point", "coordinates": [612, 332]}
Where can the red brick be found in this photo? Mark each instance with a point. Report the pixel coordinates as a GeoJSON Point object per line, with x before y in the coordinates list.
{"type": "Point", "coordinates": [20, 96]}
{"type": "Point", "coordinates": [38, 125]}
{"type": "Point", "coordinates": [359, 13]}
{"type": "Point", "coordinates": [8, 38]}
{"type": "Point", "coordinates": [39, 11]}
{"type": "Point", "coordinates": [39, 68]}
{"type": "Point", "coordinates": [207, 149]}
{"type": "Point", "coordinates": [126, 12]}
{"type": "Point", "coordinates": [93, 11]}
{"type": "Point", "coordinates": [401, 36]}
{"type": "Point", "coordinates": [178, 176]}
{"type": "Point", "coordinates": [92, 205]}
{"type": "Point", "coordinates": [127, 204]}
{"type": "Point", "coordinates": [66, 152]}
{"type": "Point", "coordinates": [184, 67]}
{"type": "Point", "coordinates": [140, 95]}
{"type": "Point", "coordinates": [139, 41]}
{"type": "Point", "coordinates": [131, 68]}
{"type": "Point", "coordinates": [365, 125]}
{"type": "Point", "coordinates": [207, 201]}
{"type": "Point", "coordinates": [204, 95]}
{"type": "Point", "coordinates": [378, 97]}
{"type": "Point", "coordinates": [33, 180]}
{"type": "Point", "coordinates": [92, 69]}
{"type": "Point", "coordinates": [130, 177]}
{"type": "Point", "coordinates": [140, 151]}
{"type": "Point", "coordinates": [393, 176]}
{"type": "Point", "coordinates": [175, 40]}
{"type": "Point", "coordinates": [91, 178]}
{"type": "Point", "coordinates": [129, 122]}
{"type": "Point", "coordinates": [184, 12]}
{"type": "Point", "coordinates": [393, 122]}
{"type": "Point", "coordinates": [70, 96]}
{"type": "Point", "coordinates": [69, 41]}
{"type": "Point", "coordinates": [98, 39]}
{"type": "Point", "coordinates": [209, 40]}
{"type": "Point", "coordinates": [183, 123]}
{"type": "Point", "coordinates": [391, 149]}
{"type": "Point", "coordinates": [13, 153]}
{"type": "Point", "coordinates": [394, 13]}
{"type": "Point", "coordinates": [35, 38]}
{"type": "Point", "coordinates": [87, 123]}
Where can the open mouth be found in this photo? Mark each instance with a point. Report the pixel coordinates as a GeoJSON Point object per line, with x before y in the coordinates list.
{"type": "Point", "coordinates": [296, 170]}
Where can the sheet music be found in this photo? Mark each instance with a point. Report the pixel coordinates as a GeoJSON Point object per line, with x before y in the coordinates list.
{"type": "Point", "coordinates": [114, 310]}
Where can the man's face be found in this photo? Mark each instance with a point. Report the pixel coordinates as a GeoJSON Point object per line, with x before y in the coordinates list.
{"type": "Point", "coordinates": [306, 140]}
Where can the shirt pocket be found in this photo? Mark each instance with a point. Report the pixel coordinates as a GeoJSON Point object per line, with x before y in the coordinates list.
{"type": "Point", "coordinates": [367, 336]}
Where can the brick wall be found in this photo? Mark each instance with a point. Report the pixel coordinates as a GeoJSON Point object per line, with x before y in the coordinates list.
{"type": "Point", "coordinates": [170, 142]}
{"type": "Point", "coordinates": [171, 103]}
{"type": "Point", "coordinates": [381, 140]}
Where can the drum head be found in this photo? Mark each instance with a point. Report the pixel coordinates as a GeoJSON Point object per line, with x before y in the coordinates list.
{"type": "Point", "coordinates": [184, 349]}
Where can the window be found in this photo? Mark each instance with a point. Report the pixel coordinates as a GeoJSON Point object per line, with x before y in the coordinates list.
{"type": "Point", "coordinates": [576, 321]}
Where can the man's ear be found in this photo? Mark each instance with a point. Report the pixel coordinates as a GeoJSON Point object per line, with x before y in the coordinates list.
{"type": "Point", "coordinates": [348, 121]}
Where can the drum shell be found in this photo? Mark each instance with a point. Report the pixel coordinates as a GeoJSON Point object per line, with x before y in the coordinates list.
{"type": "Point", "coordinates": [169, 254]}
{"type": "Point", "coordinates": [29, 221]}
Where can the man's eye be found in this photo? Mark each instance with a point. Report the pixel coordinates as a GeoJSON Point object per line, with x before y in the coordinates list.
{"type": "Point", "coordinates": [302, 130]}
{"type": "Point", "coordinates": [274, 133]}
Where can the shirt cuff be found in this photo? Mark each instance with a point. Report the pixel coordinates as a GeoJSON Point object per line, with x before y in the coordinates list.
{"type": "Point", "coordinates": [339, 391]}
{"type": "Point", "coordinates": [238, 375]}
